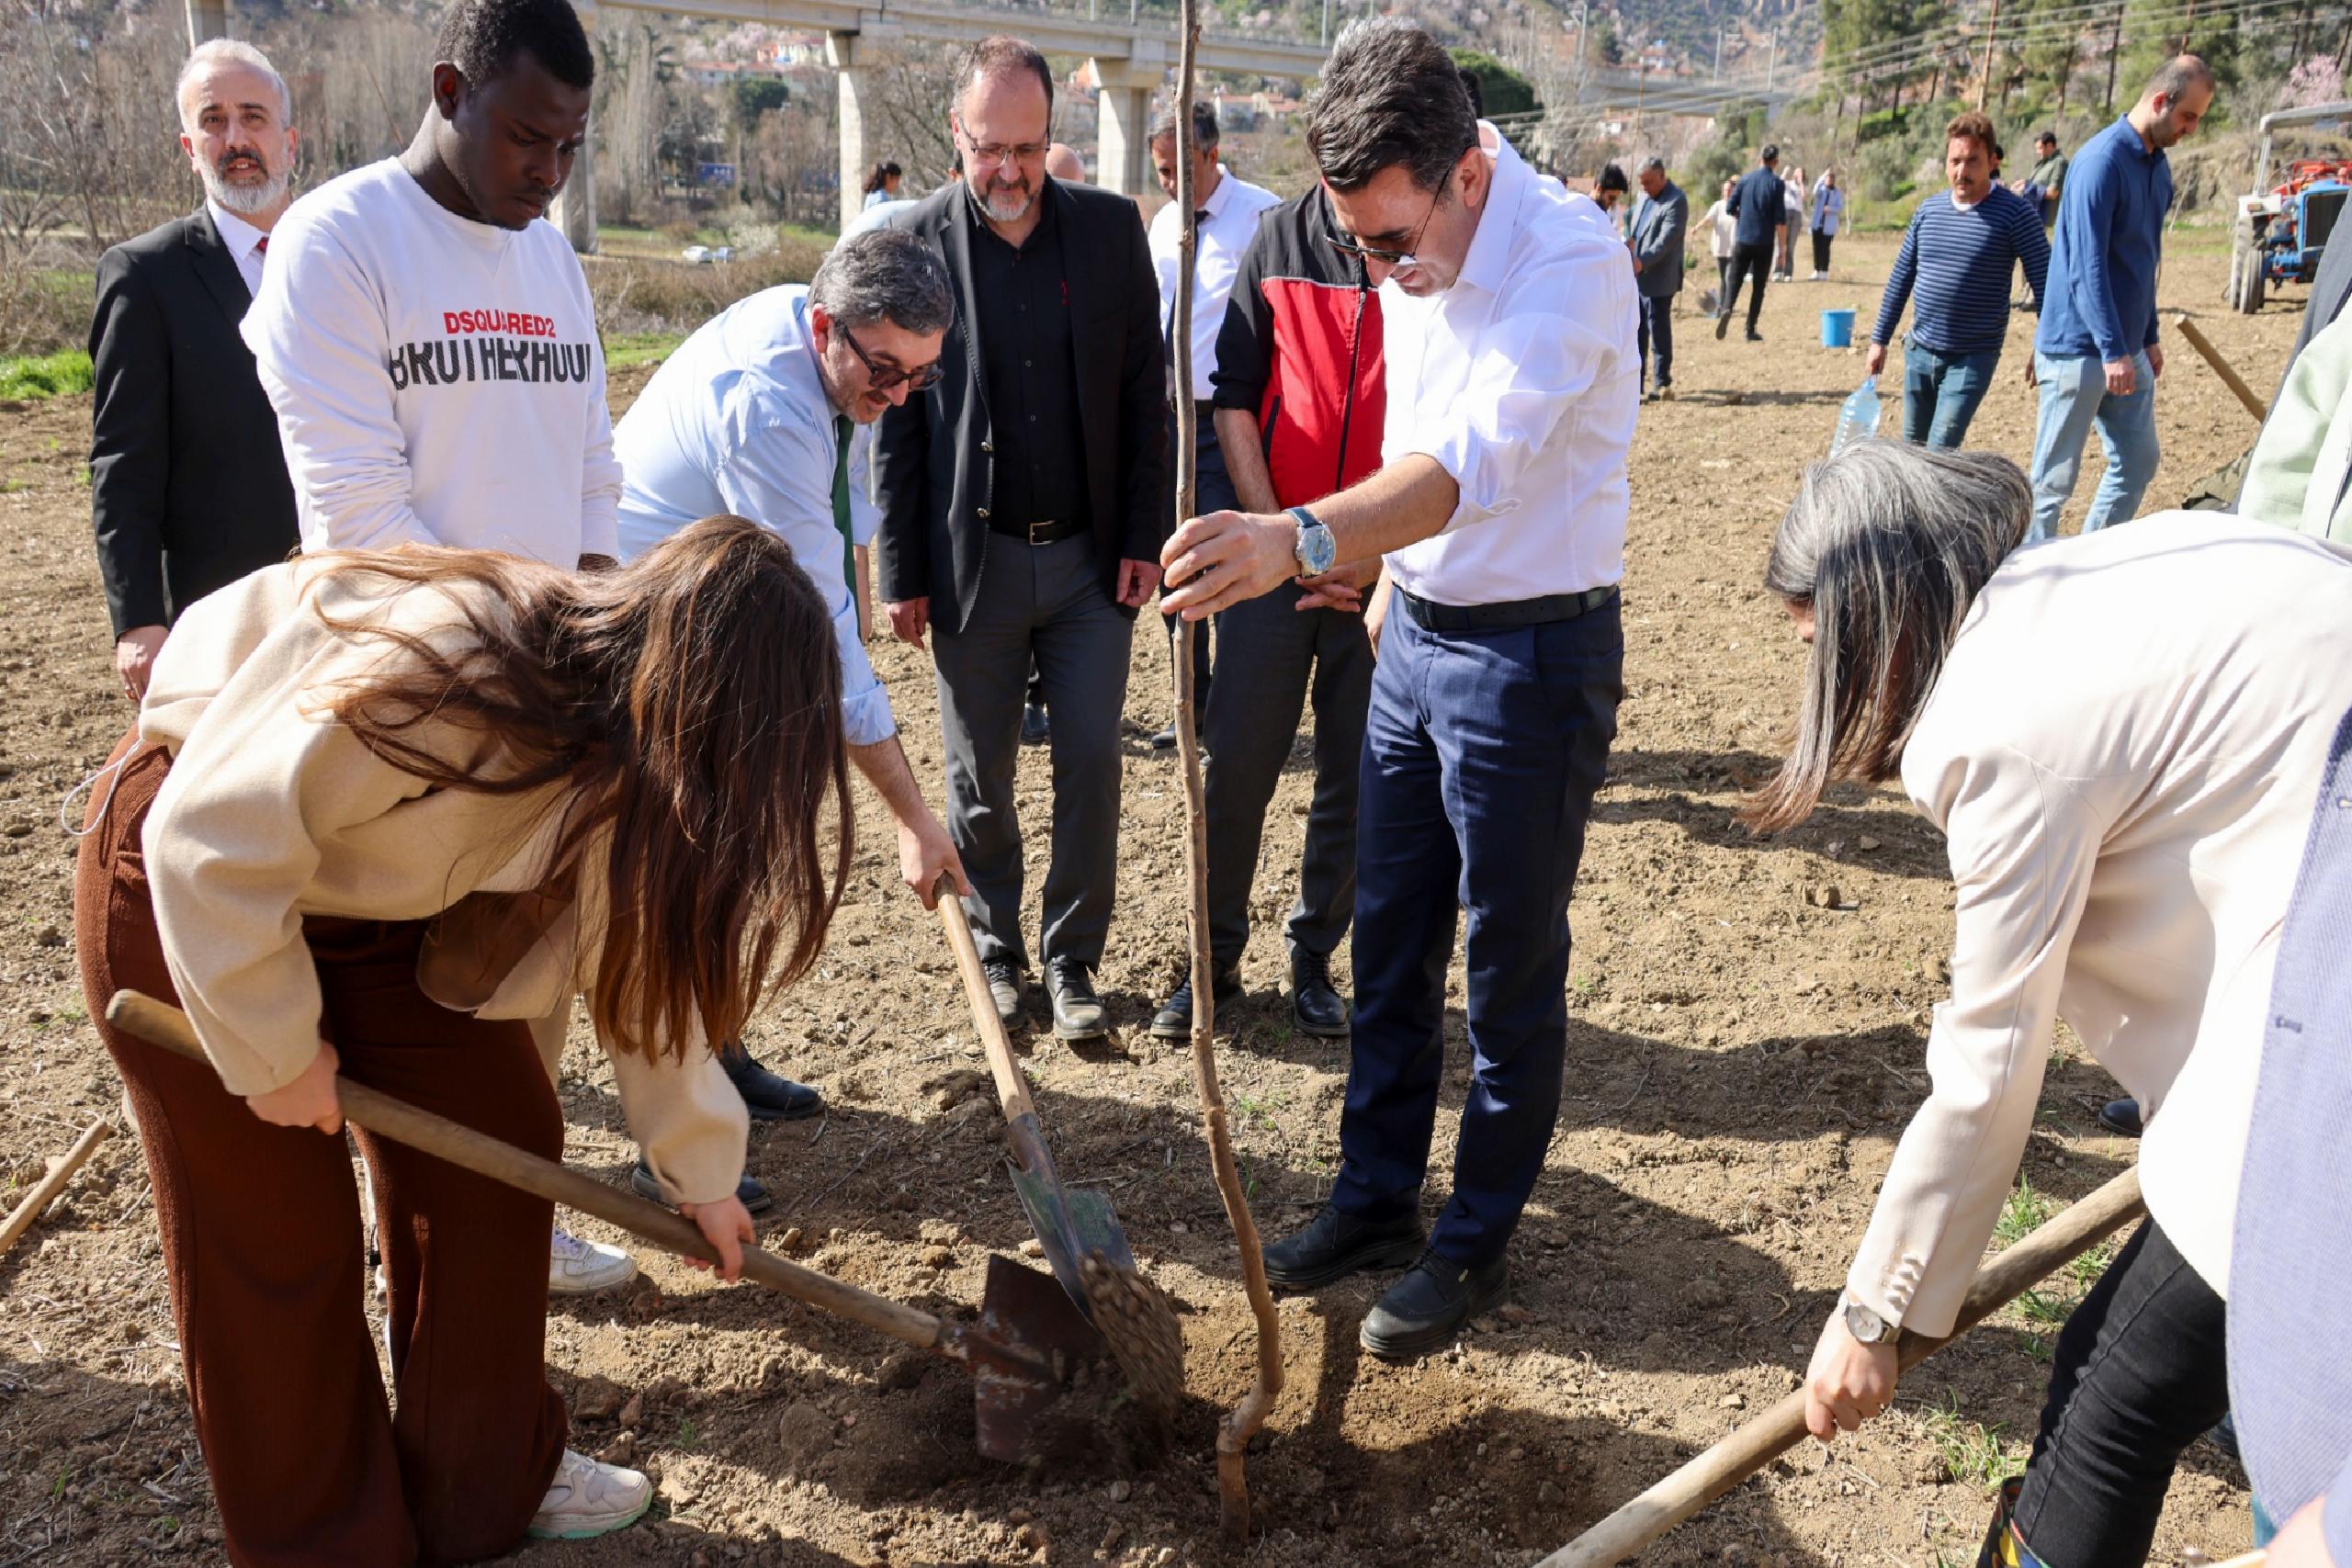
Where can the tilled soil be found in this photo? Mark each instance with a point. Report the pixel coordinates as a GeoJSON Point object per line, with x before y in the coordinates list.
{"type": "Point", "coordinates": [1748, 1025]}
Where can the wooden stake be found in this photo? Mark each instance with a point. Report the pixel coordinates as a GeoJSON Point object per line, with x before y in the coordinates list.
{"type": "Point", "coordinates": [1780, 1429]}
{"type": "Point", "coordinates": [60, 1171]}
{"type": "Point", "coordinates": [1242, 1422]}
{"type": "Point", "coordinates": [2221, 367]}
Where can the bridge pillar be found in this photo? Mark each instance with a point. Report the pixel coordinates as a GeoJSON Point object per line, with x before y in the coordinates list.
{"type": "Point", "coordinates": [575, 204]}
{"type": "Point", "coordinates": [1123, 118]}
{"type": "Point", "coordinates": [207, 19]}
{"type": "Point", "coordinates": [849, 86]}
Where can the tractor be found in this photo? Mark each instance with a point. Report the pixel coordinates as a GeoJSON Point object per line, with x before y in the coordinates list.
{"type": "Point", "coordinates": [2280, 232]}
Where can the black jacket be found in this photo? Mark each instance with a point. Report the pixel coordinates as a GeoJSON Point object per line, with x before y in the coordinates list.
{"type": "Point", "coordinates": [935, 455]}
{"type": "Point", "coordinates": [187, 482]}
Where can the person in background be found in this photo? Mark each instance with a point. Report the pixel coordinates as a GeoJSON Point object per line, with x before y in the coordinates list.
{"type": "Point", "coordinates": [188, 483]}
{"type": "Point", "coordinates": [2095, 353]}
{"type": "Point", "coordinates": [2047, 182]}
{"type": "Point", "coordinates": [1828, 211]}
{"type": "Point", "coordinates": [1063, 164]}
{"type": "Point", "coordinates": [1301, 393]}
{"type": "Point", "coordinates": [882, 184]}
{"type": "Point", "coordinates": [1224, 220]}
{"type": "Point", "coordinates": [1509, 314]}
{"type": "Point", "coordinates": [1661, 223]}
{"type": "Point", "coordinates": [1796, 195]}
{"type": "Point", "coordinates": [1723, 240]}
{"type": "Point", "coordinates": [1759, 204]}
{"type": "Point", "coordinates": [1958, 256]}
{"type": "Point", "coordinates": [1024, 503]}
{"type": "Point", "coordinates": [2124, 849]}
{"type": "Point", "coordinates": [1609, 190]}
{"type": "Point", "coordinates": [431, 350]}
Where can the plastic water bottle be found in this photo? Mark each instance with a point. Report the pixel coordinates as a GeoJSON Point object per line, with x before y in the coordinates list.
{"type": "Point", "coordinates": [1858, 420]}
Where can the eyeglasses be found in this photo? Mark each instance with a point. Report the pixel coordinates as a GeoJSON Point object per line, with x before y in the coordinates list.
{"type": "Point", "coordinates": [881, 379]}
{"type": "Point", "coordinates": [1403, 265]}
{"type": "Point", "coordinates": [997, 153]}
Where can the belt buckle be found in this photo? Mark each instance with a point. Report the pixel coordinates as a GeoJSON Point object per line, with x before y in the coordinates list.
{"type": "Point", "coordinates": [1033, 528]}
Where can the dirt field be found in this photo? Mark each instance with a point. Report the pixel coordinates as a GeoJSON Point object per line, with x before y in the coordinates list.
{"type": "Point", "coordinates": [1740, 1062]}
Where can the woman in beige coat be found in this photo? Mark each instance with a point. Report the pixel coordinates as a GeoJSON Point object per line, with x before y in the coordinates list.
{"type": "Point", "coordinates": [386, 815]}
{"type": "Point", "coordinates": [2120, 737]}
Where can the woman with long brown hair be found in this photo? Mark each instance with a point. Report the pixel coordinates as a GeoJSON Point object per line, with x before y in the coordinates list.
{"type": "Point", "coordinates": [385, 815]}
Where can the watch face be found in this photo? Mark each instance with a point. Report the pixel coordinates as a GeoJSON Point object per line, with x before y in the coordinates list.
{"type": "Point", "coordinates": [1320, 550]}
{"type": "Point", "coordinates": [1865, 1325]}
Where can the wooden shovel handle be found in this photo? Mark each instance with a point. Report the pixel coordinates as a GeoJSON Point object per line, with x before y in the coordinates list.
{"type": "Point", "coordinates": [2221, 367]}
{"type": "Point", "coordinates": [60, 1171]}
{"type": "Point", "coordinates": [1780, 1429]}
{"type": "Point", "coordinates": [164, 1025]}
{"type": "Point", "coordinates": [1012, 1086]}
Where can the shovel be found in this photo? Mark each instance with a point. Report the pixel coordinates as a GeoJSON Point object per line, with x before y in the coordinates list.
{"type": "Point", "coordinates": [1020, 1354]}
{"type": "Point", "coordinates": [1078, 1231]}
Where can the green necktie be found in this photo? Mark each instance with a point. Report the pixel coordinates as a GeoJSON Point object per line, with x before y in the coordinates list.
{"type": "Point", "coordinates": [843, 431]}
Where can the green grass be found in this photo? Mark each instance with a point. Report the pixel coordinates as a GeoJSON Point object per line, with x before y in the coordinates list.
{"type": "Point", "coordinates": [2047, 1306]}
{"type": "Point", "coordinates": [625, 349]}
{"type": "Point", "coordinates": [1971, 1452]}
{"type": "Point", "coordinates": [45, 376]}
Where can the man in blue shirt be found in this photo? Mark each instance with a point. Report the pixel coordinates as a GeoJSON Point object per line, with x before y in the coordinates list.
{"type": "Point", "coordinates": [767, 412]}
{"type": "Point", "coordinates": [1959, 252]}
{"type": "Point", "coordinates": [2096, 357]}
{"type": "Point", "coordinates": [1760, 203]}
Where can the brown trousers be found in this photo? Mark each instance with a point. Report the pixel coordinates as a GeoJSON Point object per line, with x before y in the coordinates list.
{"type": "Point", "coordinates": [262, 1245]}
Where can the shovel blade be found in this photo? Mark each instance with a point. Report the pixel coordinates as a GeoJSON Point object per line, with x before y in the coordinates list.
{"type": "Point", "coordinates": [1031, 1340]}
{"type": "Point", "coordinates": [1070, 1223]}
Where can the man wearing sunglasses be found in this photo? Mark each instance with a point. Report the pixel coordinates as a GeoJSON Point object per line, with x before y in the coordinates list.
{"type": "Point", "coordinates": [1023, 506]}
{"type": "Point", "coordinates": [1509, 313]}
{"type": "Point", "coordinates": [767, 411]}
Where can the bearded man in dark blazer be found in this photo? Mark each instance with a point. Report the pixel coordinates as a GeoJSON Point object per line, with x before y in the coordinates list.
{"type": "Point", "coordinates": [1023, 506]}
{"type": "Point", "coordinates": [187, 482]}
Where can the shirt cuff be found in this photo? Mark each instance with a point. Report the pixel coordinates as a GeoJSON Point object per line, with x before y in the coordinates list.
{"type": "Point", "coordinates": [600, 528]}
{"type": "Point", "coordinates": [1454, 449]}
{"type": "Point", "coordinates": [867, 720]}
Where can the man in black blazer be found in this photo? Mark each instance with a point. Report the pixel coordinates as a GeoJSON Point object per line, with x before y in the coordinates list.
{"type": "Point", "coordinates": [1023, 512]}
{"type": "Point", "coordinates": [187, 482]}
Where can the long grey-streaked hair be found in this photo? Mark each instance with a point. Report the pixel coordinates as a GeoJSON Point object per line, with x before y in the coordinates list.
{"type": "Point", "coordinates": [1888, 545]}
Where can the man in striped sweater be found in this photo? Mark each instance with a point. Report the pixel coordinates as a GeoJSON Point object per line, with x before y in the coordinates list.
{"type": "Point", "coordinates": [1955, 266]}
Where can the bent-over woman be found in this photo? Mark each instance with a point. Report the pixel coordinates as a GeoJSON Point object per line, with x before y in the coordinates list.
{"type": "Point", "coordinates": [2121, 736]}
{"type": "Point", "coordinates": [385, 815]}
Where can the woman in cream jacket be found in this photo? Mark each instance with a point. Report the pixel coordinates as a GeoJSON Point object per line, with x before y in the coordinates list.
{"type": "Point", "coordinates": [387, 814]}
{"type": "Point", "coordinates": [2120, 737]}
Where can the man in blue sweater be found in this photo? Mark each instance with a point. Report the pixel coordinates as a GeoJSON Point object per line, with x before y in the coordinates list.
{"type": "Point", "coordinates": [2096, 357]}
{"type": "Point", "coordinates": [1760, 203]}
{"type": "Point", "coordinates": [1958, 256]}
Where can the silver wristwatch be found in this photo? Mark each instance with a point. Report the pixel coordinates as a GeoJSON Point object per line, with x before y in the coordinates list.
{"type": "Point", "coordinates": [1317, 550]}
{"type": "Point", "coordinates": [1865, 1325]}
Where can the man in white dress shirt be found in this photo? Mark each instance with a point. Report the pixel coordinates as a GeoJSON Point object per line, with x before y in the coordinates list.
{"type": "Point", "coordinates": [1224, 218]}
{"type": "Point", "coordinates": [1499, 510]}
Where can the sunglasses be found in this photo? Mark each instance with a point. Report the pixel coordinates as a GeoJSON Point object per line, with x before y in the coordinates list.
{"type": "Point", "coordinates": [881, 379]}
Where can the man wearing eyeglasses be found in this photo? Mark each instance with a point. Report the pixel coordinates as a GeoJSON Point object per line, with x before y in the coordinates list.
{"type": "Point", "coordinates": [767, 411]}
{"type": "Point", "coordinates": [1500, 509]}
{"type": "Point", "coordinates": [1023, 512]}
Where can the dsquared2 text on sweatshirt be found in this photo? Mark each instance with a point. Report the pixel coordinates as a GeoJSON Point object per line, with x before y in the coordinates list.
{"type": "Point", "coordinates": [446, 363]}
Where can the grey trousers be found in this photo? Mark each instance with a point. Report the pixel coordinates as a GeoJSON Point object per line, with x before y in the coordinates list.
{"type": "Point", "coordinates": [1269, 655]}
{"type": "Point", "coordinates": [1045, 603]}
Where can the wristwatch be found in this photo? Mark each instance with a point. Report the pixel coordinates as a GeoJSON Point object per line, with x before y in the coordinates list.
{"type": "Point", "coordinates": [1866, 1325]}
{"type": "Point", "coordinates": [1317, 550]}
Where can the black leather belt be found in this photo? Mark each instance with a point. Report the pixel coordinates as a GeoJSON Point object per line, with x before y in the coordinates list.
{"type": "Point", "coordinates": [1435, 618]}
{"type": "Point", "coordinates": [1045, 532]}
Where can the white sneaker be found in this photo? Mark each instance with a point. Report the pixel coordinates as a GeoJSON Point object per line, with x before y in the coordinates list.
{"type": "Point", "coordinates": [577, 1268]}
{"type": "Point", "coordinates": [589, 1499]}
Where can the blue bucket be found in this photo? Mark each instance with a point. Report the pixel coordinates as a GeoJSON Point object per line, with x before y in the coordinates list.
{"type": "Point", "coordinates": [1836, 329]}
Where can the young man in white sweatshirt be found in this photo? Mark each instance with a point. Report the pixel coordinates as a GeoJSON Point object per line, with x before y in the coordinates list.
{"type": "Point", "coordinates": [430, 347]}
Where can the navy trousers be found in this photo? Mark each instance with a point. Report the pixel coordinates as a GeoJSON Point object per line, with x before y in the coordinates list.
{"type": "Point", "coordinates": [1482, 754]}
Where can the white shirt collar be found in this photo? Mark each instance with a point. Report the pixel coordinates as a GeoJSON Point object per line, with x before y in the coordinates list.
{"type": "Point", "coordinates": [1960, 205]}
{"type": "Point", "coordinates": [1220, 194]}
{"type": "Point", "coordinates": [238, 235]}
{"type": "Point", "coordinates": [1490, 256]}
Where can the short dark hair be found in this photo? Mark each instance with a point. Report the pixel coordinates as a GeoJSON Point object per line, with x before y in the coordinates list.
{"type": "Point", "coordinates": [1391, 96]}
{"type": "Point", "coordinates": [1771, 154]}
{"type": "Point", "coordinates": [1977, 129]}
{"type": "Point", "coordinates": [1000, 54]}
{"type": "Point", "coordinates": [884, 274]}
{"type": "Point", "coordinates": [1477, 94]}
{"type": "Point", "coordinates": [2049, 136]}
{"type": "Point", "coordinates": [2176, 75]}
{"type": "Point", "coordinates": [1611, 178]}
{"type": "Point", "coordinates": [1204, 132]}
{"type": "Point", "coordinates": [481, 37]}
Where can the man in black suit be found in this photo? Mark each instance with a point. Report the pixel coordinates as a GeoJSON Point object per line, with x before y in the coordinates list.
{"type": "Point", "coordinates": [187, 481]}
{"type": "Point", "coordinates": [1023, 512]}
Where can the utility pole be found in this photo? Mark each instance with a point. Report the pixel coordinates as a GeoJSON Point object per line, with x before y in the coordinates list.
{"type": "Point", "coordinates": [1719, 53]}
{"type": "Point", "coordinates": [2115, 50]}
{"type": "Point", "coordinates": [1325, 40]}
{"type": "Point", "coordinates": [1773, 60]}
{"type": "Point", "coordinates": [1992, 32]}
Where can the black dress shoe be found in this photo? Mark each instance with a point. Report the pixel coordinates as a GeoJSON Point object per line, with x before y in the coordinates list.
{"type": "Point", "coordinates": [1165, 740]}
{"type": "Point", "coordinates": [1035, 727]}
{"type": "Point", "coordinates": [1174, 1021]}
{"type": "Point", "coordinates": [2121, 1117]}
{"type": "Point", "coordinates": [1004, 988]}
{"type": "Point", "coordinates": [1428, 1307]}
{"type": "Point", "coordinates": [1336, 1244]}
{"type": "Point", "coordinates": [1314, 1004]}
{"type": "Point", "coordinates": [1723, 325]}
{"type": "Point", "coordinates": [767, 1096]}
{"type": "Point", "coordinates": [1755, 336]}
{"type": "Point", "coordinates": [754, 1198]}
{"type": "Point", "coordinates": [1078, 1012]}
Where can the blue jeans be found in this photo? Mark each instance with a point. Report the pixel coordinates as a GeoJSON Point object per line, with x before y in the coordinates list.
{"type": "Point", "coordinates": [1941, 392]}
{"type": "Point", "coordinates": [1481, 755]}
{"type": "Point", "coordinates": [2074, 397]}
